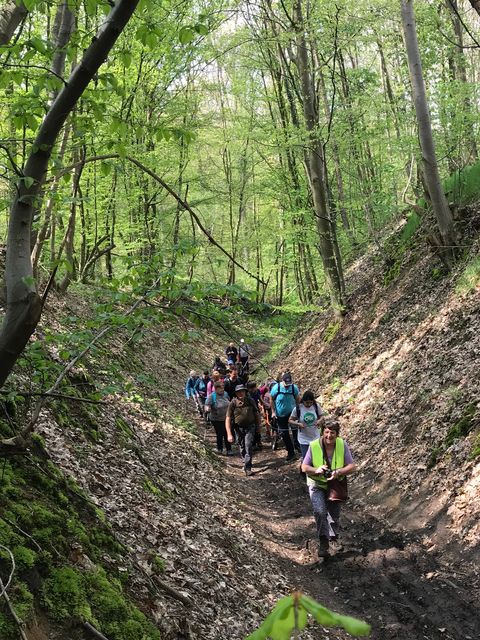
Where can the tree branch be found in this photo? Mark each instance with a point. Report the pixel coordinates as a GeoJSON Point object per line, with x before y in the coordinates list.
{"type": "Point", "coordinates": [173, 193]}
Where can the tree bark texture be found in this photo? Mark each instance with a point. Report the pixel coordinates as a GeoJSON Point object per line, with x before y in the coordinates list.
{"type": "Point", "coordinates": [11, 15]}
{"type": "Point", "coordinates": [23, 307]}
{"type": "Point", "coordinates": [314, 156]}
{"type": "Point", "coordinates": [429, 159]}
{"type": "Point", "coordinates": [476, 5]}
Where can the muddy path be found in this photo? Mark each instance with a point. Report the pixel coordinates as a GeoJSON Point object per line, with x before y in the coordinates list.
{"type": "Point", "coordinates": [382, 575]}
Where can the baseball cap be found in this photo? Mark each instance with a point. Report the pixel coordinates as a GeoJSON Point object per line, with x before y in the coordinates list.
{"type": "Point", "coordinates": [287, 378]}
{"type": "Point", "coordinates": [240, 387]}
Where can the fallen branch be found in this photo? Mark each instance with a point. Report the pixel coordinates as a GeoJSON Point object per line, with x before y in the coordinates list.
{"type": "Point", "coordinates": [173, 592]}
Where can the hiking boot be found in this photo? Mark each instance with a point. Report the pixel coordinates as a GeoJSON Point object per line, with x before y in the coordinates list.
{"type": "Point", "coordinates": [248, 472]}
{"type": "Point", "coordinates": [291, 457]}
{"type": "Point", "coordinates": [335, 542]}
{"type": "Point", "coordinates": [323, 547]}
{"type": "Point", "coordinates": [230, 453]}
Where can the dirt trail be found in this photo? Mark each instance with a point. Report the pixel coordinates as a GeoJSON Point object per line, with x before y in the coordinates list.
{"type": "Point", "coordinates": [382, 575]}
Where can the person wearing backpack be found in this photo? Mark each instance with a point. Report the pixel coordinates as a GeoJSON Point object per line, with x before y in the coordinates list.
{"type": "Point", "coordinates": [307, 417]}
{"type": "Point", "coordinates": [327, 463]}
{"type": "Point", "coordinates": [244, 416]}
{"type": "Point", "coordinates": [201, 388]}
{"type": "Point", "coordinates": [216, 406]}
{"type": "Point", "coordinates": [219, 366]}
{"type": "Point", "coordinates": [243, 356]}
{"type": "Point", "coordinates": [232, 353]}
{"type": "Point", "coordinates": [254, 394]}
{"type": "Point", "coordinates": [190, 390]}
{"type": "Point", "coordinates": [285, 396]}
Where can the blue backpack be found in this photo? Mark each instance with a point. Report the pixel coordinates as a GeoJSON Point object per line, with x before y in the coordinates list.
{"type": "Point", "coordinates": [214, 399]}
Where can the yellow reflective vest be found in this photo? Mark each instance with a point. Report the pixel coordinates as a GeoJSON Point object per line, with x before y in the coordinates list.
{"type": "Point", "coordinates": [318, 460]}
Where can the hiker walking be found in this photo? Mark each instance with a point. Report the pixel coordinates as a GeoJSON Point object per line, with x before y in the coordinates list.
{"type": "Point", "coordinates": [232, 353]}
{"type": "Point", "coordinates": [266, 407]}
{"type": "Point", "coordinates": [232, 381]}
{"type": "Point", "coordinates": [216, 377]}
{"type": "Point", "coordinates": [219, 366]}
{"type": "Point", "coordinates": [190, 390]}
{"type": "Point", "coordinates": [285, 396]}
{"type": "Point", "coordinates": [254, 394]}
{"type": "Point", "coordinates": [327, 463]}
{"type": "Point", "coordinates": [243, 356]}
{"type": "Point", "coordinates": [216, 406]}
{"type": "Point", "coordinates": [307, 417]}
{"type": "Point", "coordinates": [201, 387]}
{"type": "Point", "coordinates": [244, 416]}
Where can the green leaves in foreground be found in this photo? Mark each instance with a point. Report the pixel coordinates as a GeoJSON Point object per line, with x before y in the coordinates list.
{"type": "Point", "coordinates": [290, 614]}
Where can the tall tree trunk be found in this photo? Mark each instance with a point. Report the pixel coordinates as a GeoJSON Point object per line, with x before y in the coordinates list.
{"type": "Point", "coordinates": [336, 164]}
{"type": "Point", "coordinates": [24, 305]}
{"type": "Point", "coordinates": [314, 155]}
{"type": "Point", "coordinates": [430, 166]}
{"type": "Point", "coordinates": [11, 15]}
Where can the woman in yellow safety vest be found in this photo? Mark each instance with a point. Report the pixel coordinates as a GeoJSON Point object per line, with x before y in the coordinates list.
{"type": "Point", "coordinates": [328, 458]}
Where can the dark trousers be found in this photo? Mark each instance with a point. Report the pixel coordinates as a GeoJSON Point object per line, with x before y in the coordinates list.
{"type": "Point", "coordinates": [291, 443]}
{"type": "Point", "coordinates": [246, 438]}
{"type": "Point", "coordinates": [221, 433]}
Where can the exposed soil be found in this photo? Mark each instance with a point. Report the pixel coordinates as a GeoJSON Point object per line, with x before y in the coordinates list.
{"type": "Point", "coordinates": [382, 575]}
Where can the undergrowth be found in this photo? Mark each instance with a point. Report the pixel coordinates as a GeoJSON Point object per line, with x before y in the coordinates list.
{"type": "Point", "coordinates": [44, 517]}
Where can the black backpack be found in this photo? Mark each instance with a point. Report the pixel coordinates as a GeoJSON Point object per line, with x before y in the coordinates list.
{"type": "Point", "coordinates": [283, 393]}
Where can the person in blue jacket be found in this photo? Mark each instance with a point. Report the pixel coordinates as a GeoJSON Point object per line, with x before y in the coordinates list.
{"type": "Point", "coordinates": [190, 390]}
{"type": "Point", "coordinates": [201, 389]}
{"type": "Point", "coordinates": [285, 396]}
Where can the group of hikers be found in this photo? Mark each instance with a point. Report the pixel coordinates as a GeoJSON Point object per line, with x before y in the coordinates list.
{"type": "Point", "coordinates": [238, 409]}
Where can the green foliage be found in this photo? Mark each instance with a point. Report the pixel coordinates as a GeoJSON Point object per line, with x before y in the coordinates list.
{"type": "Point", "coordinates": [463, 186]}
{"type": "Point", "coordinates": [331, 331]}
{"type": "Point", "coordinates": [93, 597]}
{"type": "Point", "coordinates": [64, 595]}
{"type": "Point", "coordinates": [396, 247]}
{"type": "Point", "coordinates": [22, 601]}
{"type": "Point", "coordinates": [463, 426]}
{"type": "Point", "coordinates": [475, 452]}
{"type": "Point", "coordinates": [459, 430]}
{"type": "Point", "coordinates": [469, 279]}
{"type": "Point", "coordinates": [290, 615]}
{"type": "Point", "coordinates": [158, 564]}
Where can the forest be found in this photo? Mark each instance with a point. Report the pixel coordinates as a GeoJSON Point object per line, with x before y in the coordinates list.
{"type": "Point", "coordinates": [177, 176]}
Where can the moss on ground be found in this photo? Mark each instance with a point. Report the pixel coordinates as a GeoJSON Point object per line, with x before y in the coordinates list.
{"type": "Point", "coordinates": [43, 517]}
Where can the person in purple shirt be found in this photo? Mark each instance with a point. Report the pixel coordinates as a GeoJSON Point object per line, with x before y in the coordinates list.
{"type": "Point", "coordinates": [334, 465]}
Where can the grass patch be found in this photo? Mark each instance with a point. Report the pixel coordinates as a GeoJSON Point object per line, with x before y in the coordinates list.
{"type": "Point", "coordinates": [469, 280]}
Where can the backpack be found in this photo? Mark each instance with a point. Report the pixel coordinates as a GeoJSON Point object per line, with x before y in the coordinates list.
{"type": "Point", "coordinates": [299, 411]}
{"type": "Point", "coordinates": [214, 399]}
{"type": "Point", "coordinates": [202, 391]}
{"type": "Point", "coordinates": [283, 393]}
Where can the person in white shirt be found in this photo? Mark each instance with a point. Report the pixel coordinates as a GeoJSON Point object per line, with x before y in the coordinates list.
{"type": "Point", "coordinates": [307, 417]}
